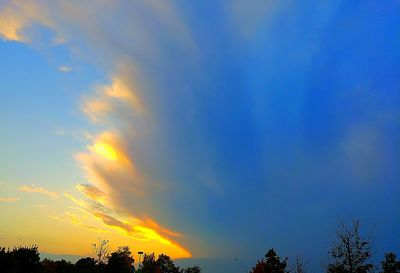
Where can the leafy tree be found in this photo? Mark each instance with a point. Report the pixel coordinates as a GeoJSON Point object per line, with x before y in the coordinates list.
{"type": "Point", "coordinates": [49, 266]}
{"type": "Point", "coordinates": [149, 264]}
{"type": "Point", "coordinates": [64, 266]}
{"type": "Point", "coordinates": [166, 264]}
{"type": "Point", "coordinates": [271, 264]}
{"type": "Point", "coordinates": [6, 261]}
{"type": "Point", "coordinates": [259, 267]}
{"type": "Point", "coordinates": [26, 259]}
{"type": "Point", "coordinates": [86, 265]}
{"type": "Point", "coordinates": [352, 251]}
{"type": "Point", "coordinates": [120, 261]}
{"type": "Point", "coordinates": [390, 264]}
{"type": "Point", "coordinates": [101, 251]}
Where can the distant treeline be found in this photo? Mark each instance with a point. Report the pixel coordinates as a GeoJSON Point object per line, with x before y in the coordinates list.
{"type": "Point", "coordinates": [27, 260]}
{"type": "Point", "coordinates": [351, 253]}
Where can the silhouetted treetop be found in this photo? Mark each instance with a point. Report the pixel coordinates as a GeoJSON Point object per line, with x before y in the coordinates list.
{"type": "Point", "coordinates": [352, 251]}
{"type": "Point", "coordinates": [120, 261]}
{"type": "Point", "coordinates": [272, 263]}
{"type": "Point", "coordinates": [390, 264]}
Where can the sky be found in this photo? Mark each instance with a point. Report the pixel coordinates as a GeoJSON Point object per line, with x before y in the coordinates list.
{"type": "Point", "coordinates": [199, 129]}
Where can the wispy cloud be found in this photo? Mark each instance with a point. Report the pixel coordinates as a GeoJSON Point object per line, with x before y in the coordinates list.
{"type": "Point", "coordinates": [43, 191]}
{"type": "Point", "coordinates": [8, 199]}
{"type": "Point", "coordinates": [64, 68]}
{"type": "Point", "coordinates": [76, 221]}
{"type": "Point", "coordinates": [91, 192]}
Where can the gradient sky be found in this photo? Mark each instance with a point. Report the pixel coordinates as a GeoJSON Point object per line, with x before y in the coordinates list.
{"type": "Point", "coordinates": [199, 129]}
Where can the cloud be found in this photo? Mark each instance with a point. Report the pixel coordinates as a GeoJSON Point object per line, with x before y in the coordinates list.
{"type": "Point", "coordinates": [144, 230]}
{"type": "Point", "coordinates": [64, 68]}
{"type": "Point", "coordinates": [8, 199]}
{"type": "Point", "coordinates": [43, 191]}
{"type": "Point", "coordinates": [107, 165]}
{"type": "Point", "coordinates": [17, 16]}
{"type": "Point", "coordinates": [76, 221]}
{"type": "Point", "coordinates": [110, 97]}
{"type": "Point", "coordinates": [91, 192]}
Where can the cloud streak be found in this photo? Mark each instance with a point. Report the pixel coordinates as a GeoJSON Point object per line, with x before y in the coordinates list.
{"type": "Point", "coordinates": [39, 190]}
{"type": "Point", "coordinates": [8, 199]}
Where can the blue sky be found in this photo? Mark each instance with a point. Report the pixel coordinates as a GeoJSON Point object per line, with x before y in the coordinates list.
{"type": "Point", "coordinates": [216, 129]}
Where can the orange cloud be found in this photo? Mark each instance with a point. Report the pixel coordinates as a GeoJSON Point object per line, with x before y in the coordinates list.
{"type": "Point", "coordinates": [135, 228]}
{"type": "Point", "coordinates": [38, 190]}
{"type": "Point", "coordinates": [8, 199]}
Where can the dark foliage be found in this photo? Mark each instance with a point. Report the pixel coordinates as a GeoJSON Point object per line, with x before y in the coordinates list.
{"type": "Point", "coordinates": [166, 264]}
{"type": "Point", "coordinates": [149, 264]}
{"type": "Point", "coordinates": [390, 264]}
{"type": "Point", "coordinates": [272, 263]}
{"type": "Point", "coordinates": [86, 265]}
{"type": "Point", "coordinates": [20, 260]}
{"type": "Point", "coordinates": [120, 261]}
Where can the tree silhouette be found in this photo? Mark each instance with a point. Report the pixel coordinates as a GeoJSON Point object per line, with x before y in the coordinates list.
{"type": "Point", "coordinates": [149, 264]}
{"type": "Point", "coordinates": [352, 252]}
{"type": "Point", "coordinates": [64, 266]}
{"type": "Point", "coordinates": [120, 261]}
{"type": "Point", "coordinates": [26, 259]}
{"type": "Point", "coordinates": [259, 267]}
{"type": "Point", "coordinates": [86, 265]}
{"type": "Point", "coordinates": [271, 264]}
{"type": "Point", "coordinates": [49, 266]}
{"type": "Point", "coordinates": [390, 264]}
{"type": "Point", "coordinates": [166, 264]}
{"type": "Point", "coordinates": [6, 261]}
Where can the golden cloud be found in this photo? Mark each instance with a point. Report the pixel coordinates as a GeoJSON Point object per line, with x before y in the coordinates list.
{"type": "Point", "coordinates": [8, 199]}
{"type": "Point", "coordinates": [106, 159]}
{"type": "Point", "coordinates": [43, 191]}
{"type": "Point", "coordinates": [142, 230]}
